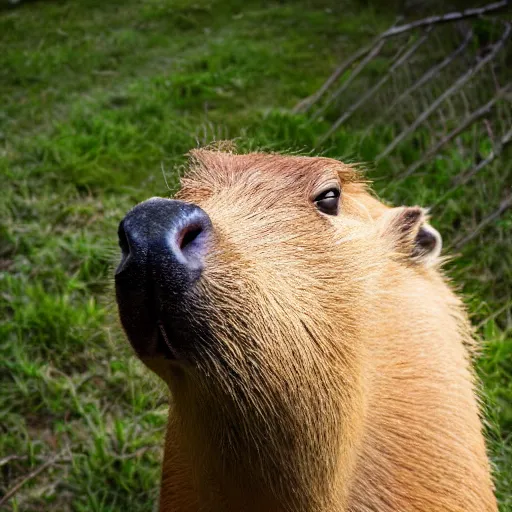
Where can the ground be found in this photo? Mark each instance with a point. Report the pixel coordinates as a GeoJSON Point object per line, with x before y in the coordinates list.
{"type": "Point", "coordinates": [100, 101]}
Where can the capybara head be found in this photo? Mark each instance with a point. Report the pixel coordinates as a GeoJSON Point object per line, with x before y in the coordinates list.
{"type": "Point", "coordinates": [259, 295]}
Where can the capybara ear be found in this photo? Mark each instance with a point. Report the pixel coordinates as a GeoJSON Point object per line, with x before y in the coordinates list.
{"type": "Point", "coordinates": [410, 234]}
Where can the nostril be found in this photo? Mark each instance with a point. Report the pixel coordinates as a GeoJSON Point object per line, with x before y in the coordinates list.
{"type": "Point", "coordinates": [189, 235]}
{"type": "Point", "coordinates": [192, 241]}
{"type": "Point", "coordinates": [123, 240]}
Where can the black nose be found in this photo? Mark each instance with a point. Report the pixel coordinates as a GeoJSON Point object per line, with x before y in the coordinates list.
{"type": "Point", "coordinates": [163, 244]}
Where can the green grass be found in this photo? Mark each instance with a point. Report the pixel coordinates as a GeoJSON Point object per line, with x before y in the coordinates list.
{"type": "Point", "coordinates": [96, 97]}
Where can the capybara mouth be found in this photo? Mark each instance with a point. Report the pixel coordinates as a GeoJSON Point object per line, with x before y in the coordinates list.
{"type": "Point", "coordinates": [164, 344]}
{"type": "Point", "coordinates": [163, 244]}
{"type": "Point", "coordinates": [146, 333]}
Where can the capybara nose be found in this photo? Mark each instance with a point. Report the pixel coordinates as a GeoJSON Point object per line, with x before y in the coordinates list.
{"type": "Point", "coordinates": [163, 241]}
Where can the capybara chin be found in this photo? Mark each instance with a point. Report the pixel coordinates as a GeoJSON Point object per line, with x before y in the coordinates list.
{"type": "Point", "coordinates": [317, 359]}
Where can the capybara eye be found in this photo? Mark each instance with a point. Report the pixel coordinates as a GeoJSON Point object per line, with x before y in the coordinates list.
{"type": "Point", "coordinates": [328, 201]}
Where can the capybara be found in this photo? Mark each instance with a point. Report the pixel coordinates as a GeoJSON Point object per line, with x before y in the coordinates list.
{"type": "Point", "coordinates": [316, 356]}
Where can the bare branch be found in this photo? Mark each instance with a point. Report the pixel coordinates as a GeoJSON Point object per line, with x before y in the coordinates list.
{"type": "Point", "coordinates": [307, 103]}
{"type": "Point", "coordinates": [33, 474]}
{"type": "Point", "coordinates": [443, 18]}
{"type": "Point", "coordinates": [461, 81]}
{"type": "Point", "coordinates": [378, 85]}
{"type": "Point", "coordinates": [505, 204]}
{"type": "Point", "coordinates": [475, 116]}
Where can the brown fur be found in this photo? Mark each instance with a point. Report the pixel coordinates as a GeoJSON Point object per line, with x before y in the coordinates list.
{"type": "Point", "coordinates": [339, 378]}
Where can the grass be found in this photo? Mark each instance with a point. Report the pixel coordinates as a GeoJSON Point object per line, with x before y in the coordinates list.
{"type": "Point", "coordinates": [96, 97]}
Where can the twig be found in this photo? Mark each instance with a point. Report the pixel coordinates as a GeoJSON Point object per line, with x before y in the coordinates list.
{"type": "Point", "coordinates": [443, 18]}
{"type": "Point", "coordinates": [135, 454]}
{"type": "Point", "coordinates": [430, 74]}
{"type": "Point", "coordinates": [9, 458]}
{"type": "Point", "coordinates": [461, 81]}
{"type": "Point", "coordinates": [307, 103]}
{"type": "Point", "coordinates": [377, 86]}
{"type": "Point", "coordinates": [505, 204]}
{"type": "Point", "coordinates": [374, 51]}
{"type": "Point", "coordinates": [475, 116]}
{"type": "Point", "coordinates": [13, 490]}
{"type": "Point", "coordinates": [488, 127]}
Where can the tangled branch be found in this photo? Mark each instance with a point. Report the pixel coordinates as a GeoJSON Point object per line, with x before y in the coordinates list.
{"type": "Point", "coordinates": [469, 121]}
{"type": "Point", "coordinates": [472, 91]}
{"type": "Point", "coordinates": [306, 104]}
{"type": "Point", "coordinates": [371, 92]}
{"type": "Point", "coordinates": [460, 82]}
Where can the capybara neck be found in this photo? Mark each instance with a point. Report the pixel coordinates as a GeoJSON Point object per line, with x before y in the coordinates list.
{"type": "Point", "coordinates": [408, 441]}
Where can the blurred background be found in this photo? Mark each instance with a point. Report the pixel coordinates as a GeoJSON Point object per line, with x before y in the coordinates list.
{"type": "Point", "coordinates": [100, 101]}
